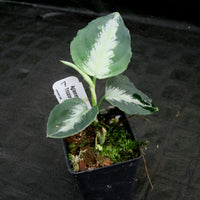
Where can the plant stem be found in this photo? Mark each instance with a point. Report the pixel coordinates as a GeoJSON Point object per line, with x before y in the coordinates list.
{"type": "Point", "coordinates": [100, 102]}
{"type": "Point", "coordinates": [146, 169]}
{"type": "Point", "coordinates": [87, 79]}
{"type": "Point", "coordinates": [94, 80]}
{"type": "Point", "coordinates": [85, 76]}
{"type": "Point", "coordinates": [93, 92]}
{"type": "Point", "coordinates": [146, 119]}
{"type": "Point", "coordinates": [93, 95]}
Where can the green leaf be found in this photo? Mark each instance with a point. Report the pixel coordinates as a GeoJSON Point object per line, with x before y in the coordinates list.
{"type": "Point", "coordinates": [69, 118]}
{"type": "Point", "coordinates": [122, 93]}
{"type": "Point", "coordinates": [102, 49]}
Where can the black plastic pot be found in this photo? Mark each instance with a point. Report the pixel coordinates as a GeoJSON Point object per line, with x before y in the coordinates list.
{"type": "Point", "coordinates": [114, 182]}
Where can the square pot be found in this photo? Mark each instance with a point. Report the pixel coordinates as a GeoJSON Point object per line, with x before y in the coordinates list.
{"type": "Point", "coordinates": [113, 182]}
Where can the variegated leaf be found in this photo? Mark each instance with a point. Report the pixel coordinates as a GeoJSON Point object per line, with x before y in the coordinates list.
{"type": "Point", "coordinates": [69, 118]}
{"type": "Point", "coordinates": [102, 49]}
{"type": "Point", "coordinates": [122, 93]}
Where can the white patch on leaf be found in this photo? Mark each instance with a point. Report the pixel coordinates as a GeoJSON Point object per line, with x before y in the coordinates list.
{"type": "Point", "coordinates": [101, 54]}
{"type": "Point", "coordinates": [117, 94]}
{"type": "Point", "coordinates": [76, 115]}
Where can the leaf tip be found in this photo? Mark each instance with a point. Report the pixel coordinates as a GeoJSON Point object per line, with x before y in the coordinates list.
{"type": "Point", "coordinates": [156, 109]}
{"type": "Point", "coordinates": [62, 61]}
{"type": "Point", "coordinates": [48, 135]}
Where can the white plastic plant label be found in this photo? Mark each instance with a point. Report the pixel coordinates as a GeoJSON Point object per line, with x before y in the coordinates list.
{"type": "Point", "coordinates": [70, 87]}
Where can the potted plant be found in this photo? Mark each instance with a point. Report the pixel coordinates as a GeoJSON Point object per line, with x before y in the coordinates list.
{"type": "Point", "coordinates": [101, 151]}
